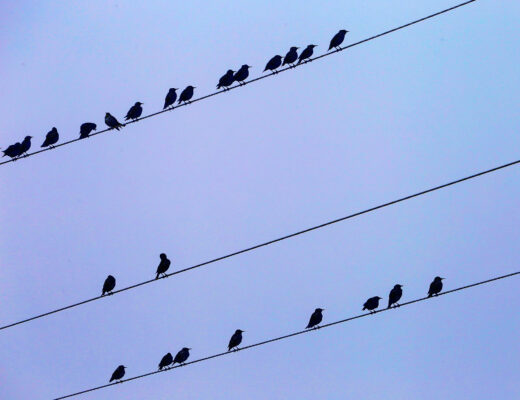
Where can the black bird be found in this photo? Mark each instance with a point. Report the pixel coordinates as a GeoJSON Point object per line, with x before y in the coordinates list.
{"type": "Point", "coordinates": [338, 39]}
{"type": "Point", "coordinates": [112, 122]}
{"type": "Point", "coordinates": [235, 340]}
{"type": "Point", "coordinates": [435, 286]}
{"type": "Point", "coordinates": [163, 265]}
{"type": "Point", "coordinates": [315, 319]}
{"type": "Point", "coordinates": [165, 361]}
{"type": "Point", "coordinates": [226, 80]}
{"type": "Point", "coordinates": [395, 295]}
{"type": "Point", "coordinates": [109, 285]}
{"type": "Point", "coordinates": [306, 53]}
{"type": "Point", "coordinates": [291, 56]}
{"type": "Point", "coordinates": [186, 94]}
{"type": "Point", "coordinates": [182, 355]}
{"type": "Point", "coordinates": [170, 98]}
{"type": "Point", "coordinates": [13, 150]}
{"type": "Point", "coordinates": [135, 111]}
{"type": "Point", "coordinates": [274, 63]}
{"type": "Point", "coordinates": [371, 304]}
{"type": "Point", "coordinates": [242, 74]}
{"type": "Point", "coordinates": [118, 373]}
{"type": "Point", "coordinates": [86, 128]}
{"type": "Point", "coordinates": [25, 145]}
{"type": "Point", "coordinates": [51, 138]}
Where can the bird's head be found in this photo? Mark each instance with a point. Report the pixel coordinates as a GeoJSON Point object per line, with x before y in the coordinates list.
{"type": "Point", "coordinates": [54, 128]}
{"type": "Point", "coordinates": [379, 298]}
{"type": "Point", "coordinates": [438, 278]}
{"type": "Point", "coordinates": [122, 366]}
{"type": "Point", "coordinates": [294, 48]}
{"type": "Point", "coordinates": [343, 31]}
{"type": "Point", "coordinates": [191, 87]}
{"type": "Point", "coordinates": [186, 348]}
{"type": "Point", "coordinates": [107, 114]}
{"type": "Point", "coordinates": [110, 277]}
{"type": "Point", "coordinates": [138, 103]}
{"type": "Point", "coordinates": [398, 286]}
{"type": "Point", "coordinates": [312, 46]}
{"type": "Point", "coordinates": [239, 331]}
{"type": "Point", "coordinates": [230, 71]}
{"type": "Point", "coordinates": [245, 66]}
{"type": "Point", "coordinates": [28, 138]}
{"type": "Point", "coordinates": [174, 89]}
{"type": "Point", "coordinates": [319, 309]}
{"type": "Point", "coordinates": [162, 256]}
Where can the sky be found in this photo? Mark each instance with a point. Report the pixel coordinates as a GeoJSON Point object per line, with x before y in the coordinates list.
{"type": "Point", "coordinates": [411, 110]}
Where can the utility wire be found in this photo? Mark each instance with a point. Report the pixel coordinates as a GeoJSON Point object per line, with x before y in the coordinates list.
{"type": "Point", "coordinates": [251, 80]}
{"type": "Point", "coordinates": [290, 335]}
{"type": "Point", "coordinates": [257, 246]}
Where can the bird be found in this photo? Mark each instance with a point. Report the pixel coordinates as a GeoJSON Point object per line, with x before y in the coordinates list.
{"type": "Point", "coordinates": [291, 56]}
{"type": "Point", "coordinates": [135, 111]}
{"type": "Point", "coordinates": [163, 265]}
{"type": "Point", "coordinates": [371, 304]}
{"type": "Point", "coordinates": [170, 98]}
{"type": "Point", "coordinates": [242, 74]}
{"type": "Point", "coordinates": [182, 355]}
{"type": "Point", "coordinates": [112, 122]}
{"type": "Point", "coordinates": [306, 53]}
{"type": "Point", "coordinates": [273, 63]}
{"type": "Point", "coordinates": [86, 128]}
{"type": "Point", "coordinates": [13, 150]}
{"type": "Point", "coordinates": [118, 373]}
{"type": "Point", "coordinates": [435, 286]}
{"type": "Point", "coordinates": [395, 295]}
{"type": "Point", "coordinates": [51, 138]}
{"type": "Point", "coordinates": [25, 145]}
{"type": "Point", "coordinates": [187, 94]}
{"type": "Point", "coordinates": [235, 340]}
{"type": "Point", "coordinates": [226, 80]}
{"type": "Point", "coordinates": [165, 361]}
{"type": "Point", "coordinates": [338, 39]}
{"type": "Point", "coordinates": [109, 285]}
{"type": "Point", "coordinates": [315, 319]}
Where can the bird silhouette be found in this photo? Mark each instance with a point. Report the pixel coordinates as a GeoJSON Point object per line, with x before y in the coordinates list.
{"type": "Point", "coordinates": [170, 98]}
{"type": "Point", "coordinates": [135, 111]}
{"type": "Point", "coordinates": [435, 286]}
{"type": "Point", "coordinates": [338, 39]}
{"type": "Point", "coordinates": [371, 304]}
{"type": "Point", "coordinates": [25, 145]}
{"type": "Point", "coordinates": [226, 80]}
{"type": "Point", "coordinates": [182, 356]}
{"type": "Point", "coordinates": [86, 128]}
{"type": "Point", "coordinates": [109, 285]}
{"type": "Point", "coordinates": [165, 361]}
{"type": "Point", "coordinates": [163, 265]}
{"type": "Point", "coordinates": [242, 74]}
{"type": "Point", "coordinates": [306, 53]}
{"type": "Point", "coordinates": [235, 340]}
{"type": "Point", "coordinates": [186, 94]}
{"type": "Point", "coordinates": [273, 64]}
{"type": "Point", "coordinates": [118, 373]}
{"type": "Point", "coordinates": [13, 150]}
{"type": "Point", "coordinates": [315, 319]}
{"type": "Point", "coordinates": [112, 122]}
{"type": "Point", "coordinates": [395, 295]}
{"type": "Point", "coordinates": [291, 56]}
{"type": "Point", "coordinates": [51, 138]}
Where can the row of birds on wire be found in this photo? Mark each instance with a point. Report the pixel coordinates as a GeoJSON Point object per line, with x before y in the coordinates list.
{"type": "Point", "coordinates": [168, 361]}
{"type": "Point", "coordinates": [20, 149]}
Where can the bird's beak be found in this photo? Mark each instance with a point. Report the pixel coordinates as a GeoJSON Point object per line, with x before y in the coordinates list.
{"type": "Point", "coordinates": [442, 278]}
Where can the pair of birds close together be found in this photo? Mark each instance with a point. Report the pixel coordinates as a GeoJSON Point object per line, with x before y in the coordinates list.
{"type": "Point", "coordinates": [19, 148]}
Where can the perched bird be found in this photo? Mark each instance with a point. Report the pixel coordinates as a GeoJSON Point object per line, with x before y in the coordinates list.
{"type": "Point", "coordinates": [235, 340]}
{"type": "Point", "coordinates": [372, 303]}
{"type": "Point", "coordinates": [13, 150]}
{"type": "Point", "coordinates": [242, 74]}
{"type": "Point", "coordinates": [315, 319]}
{"type": "Point", "coordinates": [170, 98]}
{"type": "Point", "coordinates": [435, 286]}
{"type": "Point", "coordinates": [165, 361]}
{"type": "Point", "coordinates": [118, 373]}
{"type": "Point", "coordinates": [306, 53]}
{"type": "Point", "coordinates": [135, 111]}
{"type": "Point", "coordinates": [163, 265]}
{"type": "Point", "coordinates": [291, 56]}
{"type": "Point", "coordinates": [273, 63]}
{"type": "Point", "coordinates": [25, 145]}
{"type": "Point", "coordinates": [395, 295]}
{"type": "Point", "coordinates": [112, 122]}
{"type": "Point", "coordinates": [86, 128]}
{"type": "Point", "coordinates": [51, 138]}
{"type": "Point", "coordinates": [226, 80]}
{"type": "Point", "coordinates": [338, 39]}
{"type": "Point", "coordinates": [186, 94]}
{"type": "Point", "coordinates": [182, 356]}
{"type": "Point", "coordinates": [109, 285]}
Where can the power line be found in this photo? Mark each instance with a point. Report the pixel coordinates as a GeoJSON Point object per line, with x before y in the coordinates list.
{"type": "Point", "coordinates": [252, 80]}
{"type": "Point", "coordinates": [290, 335]}
{"type": "Point", "coordinates": [257, 246]}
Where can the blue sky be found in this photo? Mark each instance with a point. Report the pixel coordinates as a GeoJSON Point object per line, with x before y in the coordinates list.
{"type": "Point", "coordinates": [402, 113]}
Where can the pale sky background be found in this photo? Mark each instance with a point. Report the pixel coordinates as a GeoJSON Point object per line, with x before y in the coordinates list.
{"type": "Point", "coordinates": [414, 109]}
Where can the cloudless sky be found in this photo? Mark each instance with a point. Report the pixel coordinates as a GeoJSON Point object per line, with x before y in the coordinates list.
{"type": "Point", "coordinates": [399, 114]}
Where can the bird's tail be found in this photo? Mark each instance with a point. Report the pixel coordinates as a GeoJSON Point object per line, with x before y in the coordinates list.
{"type": "Point", "coordinates": [157, 277]}
{"type": "Point", "coordinates": [389, 303]}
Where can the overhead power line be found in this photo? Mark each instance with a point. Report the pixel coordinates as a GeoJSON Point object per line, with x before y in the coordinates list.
{"type": "Point", "coordinates": [342, 321]}
{"type": "Point", "coordinates": [251, 80]}
{"type": "Point", "coordinates": [257, 246]}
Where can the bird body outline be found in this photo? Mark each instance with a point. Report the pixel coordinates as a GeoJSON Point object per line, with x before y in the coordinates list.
{"type": "Point", "coordinates": [25, 145]}
{"type": "Point", "coordinates": [13, 151]}
{"type": "Point", "coordinates": [109, 285]}
{"type": "Point", "coordinates": [226, 80]}
{"type": "Point", "coordinates": [435, 286]}
{"type": "Point", "coordinates": [186, 94]}
{"type": "Point", "coordinates": [242, 74]}
{"type": "Point", "coordinates": [170, 98]}
{"type": "Point", "coordinates": [134, 112]}
{"type": "Point", "coordinates": [112, 122]}
{"type": "Point", "coordinates": [118, 374]}
{"type": "Point", "coordinates": [337, 39]}
{"type": "Point", "coordinates": [273, 64]}
{"type": "Point", "coordinates": [291, 56]}
{"type": "Point", "coordinates": [163, 266]}
{"type": "Point", "coordinates": [181, 356]}
{"type": "Point", "coordinates": [307, 53]}
{"type": "Point", "coordinates": [86, 128]}
{"type": "Point", "coordinates": [315, 319]}
{"type": "Point", "coordinates": [371, 304]}
{"type": "Point", "coordinates": [235, 340]}
{"type": "Point", "coordinates": [395, 295]}
{"type": "Point", "coordinates": [51, 138]}
{"type": "Point", "coordinates": [165, 361]}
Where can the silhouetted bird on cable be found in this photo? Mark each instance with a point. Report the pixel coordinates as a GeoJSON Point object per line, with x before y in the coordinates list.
{"type": "Point", "coordinates": [13, 150]}
{"type": "Point", "coordinates": [186, 94]}
{"type": "Point", "coordinates": [182, 356]}
{"type": "Point", "coordinates": [371, 304]}
{"type": "Point", "coordinates": [25, 145]}
{"type": "Point", "coordinates": [163, 265]}
{"type": "Point", "coordinates": [109, 285]}
{"type": "Point", "coordinates": [170, 98]}
{"type": "Point", "coordinates": [242, 74]}
{"type": "Point", "coordinates": [86, 128]}
{"type": "Point", "coordinates": [395, 295]}
{"type": "Point", "coordinates": [291, 56]}
{"type": "Point", "coordinates": [165, 361]}
{"type": "Point", "coordinates": [306, 53]}
{"type": "Point", "coordinates": [315, 319]}
{"type": "Point", "coordinates": [51, 138]}
{"type": "Point", "coordinates": [118, 373]}
{"type": "Point", "coordinates": [273, 63]}
{"type": "Point", "coordinates": [338, 39]}
{"type": "Point", "coordinates": [226, 80]}
{"type": "Point", "coordinates": [112, 122]}
{"type": "Point", "coordinates": [435, 286]}
{"type": "Point", "coordinates": [135, 111]}
{"type": "Point", "coordinates": [235, 340]}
